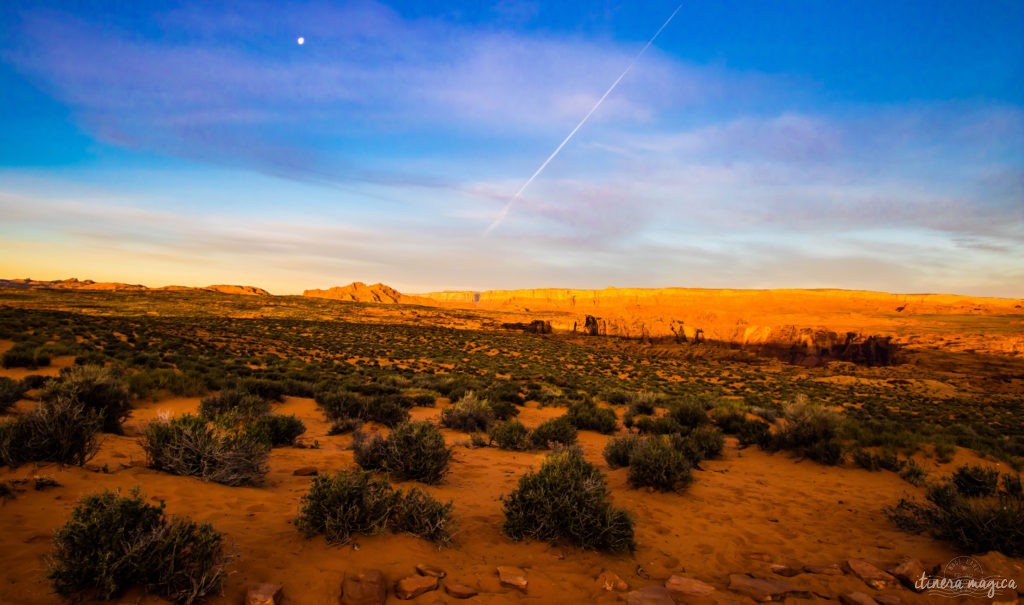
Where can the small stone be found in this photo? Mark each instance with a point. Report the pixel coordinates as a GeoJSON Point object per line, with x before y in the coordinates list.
{"type": "Point", "coordinates": [824, 570]}
{"type": "Point", "coordinates": [856, 598]}
{"type": "Point", "coordinates": [367, 587]}
{"type": "Point", "coordinates": [908, 573]}
{"type": "Point", "coordinates": [650, 595]}
{"type": "Point", "coordinates": [413, 586]}
{"type": "Point", "coordinates": [430, 570]}
{"type": "Point", "coordinates": [306, 471]}
{"type": "Point", "coordinates": [869, 574]}
{"type": "Point", "coordinates": [759, 589]}
{"type": "Point", "coordinates": [681, 587]}
{"type": "Point", "coordinates": [460, 591]}
{"type": "Point", "coordinates": [264, 594]}
{"type": "Point", "coordinates": [610, 581]}
{"type": "Point", "coordinates": [889, 599]}
{"type": "Point", "coordinates": [784, 571]}
{"type": "Point", "coordinates": [513, 577]}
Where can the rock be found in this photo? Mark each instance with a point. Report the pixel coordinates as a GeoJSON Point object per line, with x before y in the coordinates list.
{"type": "Point", "coordinates": [759, 589]}
{"type": "Point", "coordinates": [264, 594]}
{"type": "Point", "coordinates": [306, 471]}
{"type": "Point", "coordinates": [611, 582]}
{"type": "Point", "coordinates": [681, 587]}
{"type": "Point", "coordinates": [513, 577]}
{"type": "Point", "coordinates": [367, 587]}
{"type": "Point", "coordinates": [887, 599]}
{"type": "Point", "coordinates": [430, 570]}
{"type": "Point", "coordinates": [908, 573]}
{"type": "Point", "coordinates": [413, 586]}
{"type": "Point", "coordinates": [856, 598]}
{"type": "Point", "coordinates": [650, 595]}
{"type": "Point", "coordinates": [784, 571]}
{"type": "Point", "coordinates": [869, 574]}
{"type": "Point", "coordinates": [759, 556]}
{"type": "Point", "coordinates": [460, 591]}
{"type": "Point", "coordinates": [824, 570]}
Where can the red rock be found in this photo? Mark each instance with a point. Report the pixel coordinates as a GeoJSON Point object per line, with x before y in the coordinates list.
{"type": "Point", "coordinates": [650, 595]}
{"type": "Point", "coordinates": [784, 571]}
{"type": "Point", "coordinates": [869, 574]}
{"type": "Point", "coordinates": [513, 577]}
{"type": "Point", "coordinates": [460, 591]}
{"type": "Point", "coordinates": [413, 586]}
{"type": "Point", "coordinates": [824, 570]}
{"type": "Point", "coordinates": [430, 570]}
{"type": "Point", "coordinates": [887, 599]}
{"type": "Point", "coordinates": [610, 581]}
{"type": "Point", "coordinates": [306, 471]}
{"type": "Point", "coordinates": [908, 573]}
{"type": "Point", "coordinates": [264, 594]}
{"type": "Point", "coordinates": [367, 587]}
{"type": "Point", "coordinates": [759, 589]}
{"type": "Point", "coordinates": [856, 598]}
{"type": "Point", "coordinates": [681, 587]}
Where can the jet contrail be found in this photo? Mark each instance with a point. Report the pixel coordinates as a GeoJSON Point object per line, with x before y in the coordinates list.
{"type": "Point", "coordinates": [508, 206]}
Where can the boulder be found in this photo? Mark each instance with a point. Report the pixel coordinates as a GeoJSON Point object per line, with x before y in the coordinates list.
{"type": "Point", "coordinates": [650, 595]}
{"type": "Point", "coordinates": [413, 586]}
{"type": "Point", "coordinates": [513, 577]}
{"type": "Point", "coordinates": [460, 591]}
{"type": "Point", "coordinates": [887, 599]}
{"type": "Point", "coordinates": [869, 574]}
{"type": "Point", "coordinates": [785, 571]}
{"type": "Point", "coordinates": [824, 570]}
{"type": "Point", "coordinates": [908, 573]}
{"type": "Point", "coordinates": [856, 598]}
{"type": "Point", "coordinates": [760, 589]}
{"type": "Point", "coordinates": [681, 587]}
{"type": "Point", "coordinates": [611, 582]}
{"type": "Point", "coordinates": [367, 587]}
{"type": "Point", "coordinates": [430, 570]}
{"type": "Point", "coordinates": [306, 471]}
{"type": "Point", "coordinates": [264, 594]}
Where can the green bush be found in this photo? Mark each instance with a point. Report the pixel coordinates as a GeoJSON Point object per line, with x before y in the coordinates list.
{"type": "Point", "coordinates": [754, 432]}
{"type": "Point", "coordinates": [884, 460]}
{"type": "Point", "coordinates": [147, 382]}
{"type": "Point", "coordinates": [689, 413]}
{"type": "Point", "coordinates": [567, 498]}
{"type": "Point", "coordinates": [642, 403]}
{"type": "Point", "coordinates": [469, 414]}
{"type": "Point", "coordinates": [655, 463]}
{"type": "Point", "coordinates": [912, 473]}
{"type": "Point", "coordinates": [510, 435]}
{"type": "Point", "coordinates": [662, 425]}
{"type": "Point", "coordinates": [189, 445]}
{"type": "Point", "coordinates": [98, 389]}
{"type": "Point", "coordinates": [556, 431]}
{"type": "Point", "coordinates": [233, 405]}
{"type": "Point", "coordinates": [701, 443]}
{"type": "Point", "coordinates": [338, 404]}
{"type": "Point", "coordinates": [59, 430]}
{"type": "Point", "coordinates": [619, 449]}
{"type": "Point", "coordinates": [413, 450]}
{"type": "Point", "coordinates": [10, 392]}
{"type": "Point", "coordinates": [503, 410]}
{"type": "Point", "coordinates": [25, 355]}
{"type": "Point", "coordinates": [354, 502]}
{"type": "Point", "coordinates": [971, 524]}
{"type": "Point", "coordinates": [973, 480]}
{"type": "Point", "coordinates": [588, 416]}
{"type": "Point", "coordinates": [277, 429]}
{"type": "Point", "coordinates": [810, 430]}
{"type": "Point", "coordinates": [112, 543]}
{"type": "Point", "coordinates": [264, 388]}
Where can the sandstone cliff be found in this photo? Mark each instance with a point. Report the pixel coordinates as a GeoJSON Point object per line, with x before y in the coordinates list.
{"type": "Point", "coordinates": [360, 292]}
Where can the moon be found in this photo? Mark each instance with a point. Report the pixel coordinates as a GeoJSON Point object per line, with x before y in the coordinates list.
{"type": "Point", "coordinates": [301, 40]}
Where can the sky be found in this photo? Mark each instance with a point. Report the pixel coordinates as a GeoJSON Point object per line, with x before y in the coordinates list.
{"type": "Point", "coordinates": [803, 144]}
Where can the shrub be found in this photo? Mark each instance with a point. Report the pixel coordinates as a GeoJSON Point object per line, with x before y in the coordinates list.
{"type": "Point", "coordinates": [972, 524]}
{"type": "Point", "coordinates": [619, 449]}
{"type": "Point", "coordinates": [810, 430]}
{"type": "Point", "coordinates": [277, 429]}
{"type": "Point", "coordinates": [344, 425]}
{"type": "Point", "coordinates": [655, 463]}
{"type": "Point", "coordinates": [730, 417]}
{"type": "Point", "coordinates": [588, 416]}
{"type": "Point", "coordinates": [689, 413]}
{"type": "Point", "coordinates": [642, 403]}
{"type": "Point", "coordinates": [59, 430]}
{"type": "Point", "coordinates": [556, 431]}
{"type": "Point", "coordinates": [703, 443]}
{"type": "Point", "coordinates": [354, 502]}
{"type": "Point", "coordinates": [387, 409]}
{"type": "Point", "coordinates": [233, 405]}
{"type": "Point", "coordinates": [113, 542]}
{"type": "Point", "coordinates": [503, 410]}
{"type": "Point", "coordinates": [912, 473]}
{"type": "Point", "coordinates": [976, 480]}
{"type": "Point", "coordinates": [662, 425]}
{"type": "Point", "coordinates": [754, 432]}
{"type": "Point", "coordinates": [469, 414]}
{"type": "Point", "coordinates": [98, 389]}
{"type": "Point", "coordinates": [510, 435]}
{"type": "Point", "coordinates": [10, 392]}
{"type": "Point", "coordinates": [189, 445]}
{"type": "Point", "coordinates": [567, 498]}
{"type": "Point", "coordinates": [147, 382]}
{"type": "Point", "coordinates": [886, 459]}
{"type": "Point", "coordinates": [414, 450]}
{"type": "Point", "coordinates": [424, 400]}
{"type": "Point", "coordinates": [264, 388]}
{"type": "Point", "coordinates": [25, 355]}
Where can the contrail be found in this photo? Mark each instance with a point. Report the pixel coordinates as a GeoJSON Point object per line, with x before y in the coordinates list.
{"type": "Point", "coordinates": [508, 206]}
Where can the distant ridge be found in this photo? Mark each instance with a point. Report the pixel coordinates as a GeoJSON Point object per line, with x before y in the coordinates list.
{"type": "Point", "coordinates": [360, 292]}
{"type": "Point", "coordinates": [87, 284]}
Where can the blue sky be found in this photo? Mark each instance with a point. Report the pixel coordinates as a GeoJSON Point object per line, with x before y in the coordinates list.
{"type": "Point", "coordinates": [874, 145]}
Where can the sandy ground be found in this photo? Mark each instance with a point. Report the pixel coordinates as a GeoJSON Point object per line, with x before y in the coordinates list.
{"type": "Point", "coordinates": [743, 513]}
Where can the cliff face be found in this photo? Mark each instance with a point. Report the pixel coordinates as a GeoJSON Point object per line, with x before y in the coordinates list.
{"type": "Point", "coordinates": [360, 292]}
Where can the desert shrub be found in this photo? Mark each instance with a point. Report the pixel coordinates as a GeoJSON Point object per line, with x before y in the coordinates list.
{"type": "Point", "coordinates": [25, 355]}
{"type": "Point", "coordinates": [810, 430]}
{"type": "Point", "coordinates": [567, 498]}
{"type": "Point", "coordinates": [98, 389]}
{"type": "Point", "coordinates": [354, 502]}
{"type": "Point", "coordinates": [10, 392]}
{"type": "Point", "coordinates": [469, 414]}
{"type": "Point", "coordinates": [503, 410]}
{"type": "Point", "coordinates": [615, 397]}
{"type": "Point", "coordinates": [510, 435]}
{"type": "Point", "coordinates": [730, 416]}
{"type": "Point", "coordinates": [34, 381]}
{"type": "Point", "coordinates": [189, 445]}
{"type": "Point", "coordinates": [264, 388]}
{"type": "Point", "coordinates": [233, 405]}
{"type": "Point", "coordinates": [754, 432]}
{"type": "Point", "coordinates": [504, 391]}
{"type": "Point", "coordinates": [662, 425]}
{"type": "Point", "coordinates": [277, 429]}
{"type": "Point", "coordinates": [619, 449]}
{"type": "Point", "coordinates": [971, 524]}
{"type": "Point", "coordinates": [912, 473]}
{"type": "Point", "coordinates": [59, 430]}
{"type": "Point", "coordinates": [387, 409]}
{"type": "Point", "coordinates": [588, 416]}
{"type": "Point", "coordinates": [147, 382]}
{"type": "Point", "coordinates": [642, 403]}
{"type": "Point", "coordinates": [944, 451]}
{"type": "Point", "coordinates": [424, 400]}
{"type": "Point", "coordinates": [344, 425]}
{"type": "Point", "coordinates": [113, 542]}
{"type": "Point", "coordinates": [413, 450]}
{"type": "Point", "coordinates": [701, 443]}
{"type": "Point", "coordinates": [556, 431]}
{"type": "Point", "coordinates": [884, 460]}
{"type": "Point", "coordinates": [689, 413]}
{"type": "Point", "coordinates": [655, 463]}
{"type": "Point", "coordinates": [976, 480]}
